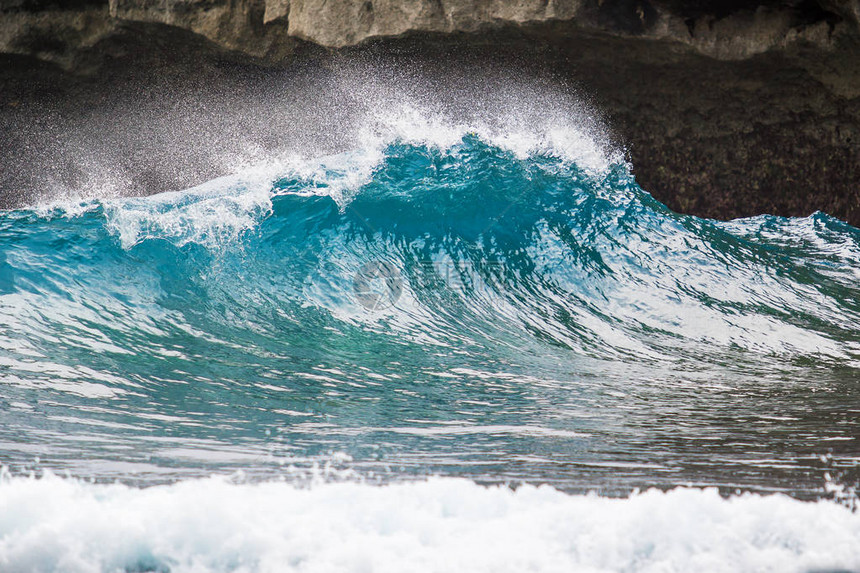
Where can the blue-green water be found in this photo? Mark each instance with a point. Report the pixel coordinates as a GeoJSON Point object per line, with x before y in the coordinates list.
{"type": "Point", "coordinates": [422, 310]}
{"type": "Point", "coordinates": [549, 325]}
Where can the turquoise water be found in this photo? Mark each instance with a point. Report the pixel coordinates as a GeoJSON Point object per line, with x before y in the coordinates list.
{"type": "Point", "coordinates": [467, 310]}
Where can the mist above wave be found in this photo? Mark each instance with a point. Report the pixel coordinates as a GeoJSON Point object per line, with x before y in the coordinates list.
{"type": "Point", "coordinates": [152, 140]}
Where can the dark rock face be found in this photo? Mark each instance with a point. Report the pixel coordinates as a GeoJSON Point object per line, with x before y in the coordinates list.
{"type": "Point", "coordinates": [726, 108]}
{"type": "Point", "coordinates": [775, 133]}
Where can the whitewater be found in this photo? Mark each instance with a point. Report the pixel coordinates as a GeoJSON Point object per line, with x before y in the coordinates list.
{"type": "Point", "coordinates": [467, 340]}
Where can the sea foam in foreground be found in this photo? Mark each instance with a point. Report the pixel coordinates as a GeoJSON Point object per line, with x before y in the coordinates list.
{"type": "Point", "coordinates": [443, 524]}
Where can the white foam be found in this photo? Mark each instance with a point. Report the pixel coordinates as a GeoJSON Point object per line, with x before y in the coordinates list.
{"type": "Point", "coordinates": [216, 213]}
{"type": "Point", "coordinates": [559, 130]}
{"type": "Point", "coordinates": [213, 214]}
{"type": "Point", "coordinates": [516, 116]}
{"type": "Point", "coordinates": [54, 524]}
{"type": "Point", "coordinates": [336, 176]}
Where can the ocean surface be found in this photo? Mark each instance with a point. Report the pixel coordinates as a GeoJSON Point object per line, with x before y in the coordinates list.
{"type": "Point", "coordinates": [450, 347]}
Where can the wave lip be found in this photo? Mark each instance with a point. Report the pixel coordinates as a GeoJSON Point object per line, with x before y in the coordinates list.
{"type": "Point", "coordinates": [442, 524]}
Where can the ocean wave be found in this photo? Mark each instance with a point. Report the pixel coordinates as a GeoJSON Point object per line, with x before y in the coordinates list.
{"type": "Point", "coordinates": [358, 299]}
{"type": "Point", "coordinates": [583, 258]}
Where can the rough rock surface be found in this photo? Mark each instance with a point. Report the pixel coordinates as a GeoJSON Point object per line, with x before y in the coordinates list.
{"type": "Point", "coordinates": [723, 29]}
{"type": "Point", "coordinates": [727, 108]}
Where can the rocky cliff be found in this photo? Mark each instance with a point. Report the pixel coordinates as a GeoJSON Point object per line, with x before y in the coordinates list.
{"type": "Point", "coordinates": [727, 108]}
{"type": "Point", "coordinates": [722, 29]}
